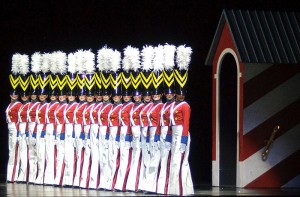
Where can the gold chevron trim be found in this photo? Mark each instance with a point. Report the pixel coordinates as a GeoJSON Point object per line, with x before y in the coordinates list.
{"type": "Point", "coordinates": [34, 82]}
{"type": "Point", "coordinates": [168, 79]}
{"type": "Point", "coordinates": [98, 80]}
{"type": "Point", "coordinates": [90, 83]}
{"type": "Point", "coordinates": [14, 81]}
{"type": "Point", "coordinates": [146, 81]}
{"type": "Point", "coordinates": [43, 83]}
{"type": "Point", "coordinates": [157, 80]}
{"type": "Point", "coordinates": [116, 82]}
{"type": "Point", "coordinates": [24, 84]}
{"type": "Point", "coordinates": [135, 81]}
{"type": "Point", "coordinates": [126, 82]}
{"type": "Point", "coordinates": [71, 83]}
{"type": "Point", "coordinates": [181, 80]}
{"type": "Point", "coordinates": [61, 83]}
{"type": "Point", "coordinates": [52, 82]}
{"type": "Point", "coordinates": [105, 82]}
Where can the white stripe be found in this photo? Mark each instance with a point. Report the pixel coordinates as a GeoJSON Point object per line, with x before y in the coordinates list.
{"type": "Point", "coordinates": [271, 103]}
{"type": "Point", "coordinates": [283, 146]}
{"type": "Point", "coordinates": [252, 70]}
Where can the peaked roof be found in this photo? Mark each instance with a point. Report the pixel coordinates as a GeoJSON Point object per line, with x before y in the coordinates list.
{"type": "Point", "coordinates": [261, 36]}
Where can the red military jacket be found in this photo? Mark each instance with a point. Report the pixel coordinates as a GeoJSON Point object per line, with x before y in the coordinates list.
{"type": "Point", "coordinates": [12, 111]}
{"type": "Point", "coordinates": [154, 114]}
{"type": "Point", "coordinates": [180, 115]}
{"type": "Point", "coordinates": [50, 117]}
{"type": "Point", "coordinates": [144, 116]}
{"type": "Point", "coordinates": [113, 115]}
{"type": "Point", "coordinates": [87, 113]}
{"type": "Point", "coordinates": [125, 114]}
{"type": "Point", "coordinates": [165, 115]}
{"type": "Point", "coordinates": [70, 112]}
{"type": "Point", "coordinates": [135, 113]}
{"type": "Point", "coordinates": [79, 113]}
{"type": "Point", "coordinates": [59, 115]}
{"type": "Point", "coordinates": [103, 113]}
{"type": "Point", "coordinates": [95, 113]}
{"type": "Point", "coordinates": [41, 114]}
{"type": "Point", "coordinates": [32, 111]}
{"type": "Point", "coordinates": [23, 112]}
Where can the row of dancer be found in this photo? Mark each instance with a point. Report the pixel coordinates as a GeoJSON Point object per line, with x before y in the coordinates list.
{"type": "Point", "coordinates": [134, 143]}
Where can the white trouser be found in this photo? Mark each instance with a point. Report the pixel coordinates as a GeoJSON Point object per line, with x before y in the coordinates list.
{"type": "Point", "coordinates": [152, 171]}
{"type": "Point", "coordinates": [94, 173]}
{"type": "Point", "coordinates": [180, 153]}
{"type": "Point", "coordinates": [86, 159]}
{"type": "Point", "coordinates": [60, 154]}
{"type": "Point", "coordinates": [50, 147]}
{"type": "Point", "coordinates": [40, 149]}
{"type": "Point", "coordinates": [32, 154]}
{"type": "Point", "coordinates": [13, 163]}
{"type": "Point", "coordinates": [134, 173]}
{"type": "Point", "coordinates": [165, 148]}
{"type": "Point", "coordinates": [103, 157]}
{"type": "Point", "coordinates": [145, 159]}
{"type": "Point", "coordinates": [22, 155]}
{"type": "Point", "coordinates": [113, 151]}
{"type": "Point", "coordinates": [78, 151]}
{"type": "Point", "coordinates": [69, 155]}
{"type": "Point", "coordinates": [125, 160]}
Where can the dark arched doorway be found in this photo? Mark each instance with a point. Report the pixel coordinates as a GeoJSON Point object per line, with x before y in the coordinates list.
{"type": "Point", "coordinates": [228, 121]}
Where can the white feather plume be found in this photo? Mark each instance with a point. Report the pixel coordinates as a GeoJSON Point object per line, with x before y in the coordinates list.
{"type": "Point", "coordinates": [71, 63]}
{"type": "Point", "coordinates": [147, 58]}
{"type": "Point", "coordinates": [183, 57]}
{"type": "Point", "coordinates": [24, 64]}
{"type": "Point", "coordinates": [15, 68]}
{"type": "Point", "coordinates": [89, 56]}
{"type": "Point", "coordinates": [158, 64]}
{"type": "Point", "coordinates": [78, 61]}
{"type": "Point", "coordinates": [61, 61]}
{"type": "Point", "coordinates": [169, 53]}
{"type": "Point", "coordinates": [115, 60]}
{"type": "Point", "coordinates": [45, 66]}
{"type": "Point", "coordinates": [102, 59]}
{"type": "Point", "coordinates": [131, 60]}
{"type": "Point", "coordinates": [52, 62]}
{"type": "Point", "coordinates": [36, 62]}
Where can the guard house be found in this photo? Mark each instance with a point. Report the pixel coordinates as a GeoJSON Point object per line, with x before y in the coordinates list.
{"type": "Point", "coordinates": [255, 58]}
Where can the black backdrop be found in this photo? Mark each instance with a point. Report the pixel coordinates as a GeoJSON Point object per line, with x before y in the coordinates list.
{"type": "Point", "coordinates": [46, 26]}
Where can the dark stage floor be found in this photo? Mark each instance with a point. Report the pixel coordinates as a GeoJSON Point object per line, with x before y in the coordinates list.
{"type": "Point", "coordinates": [21, 190]}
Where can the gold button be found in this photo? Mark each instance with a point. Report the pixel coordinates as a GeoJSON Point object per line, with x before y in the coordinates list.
{"type": "Point", "coordinates": [77, 118]}
{"type": "Point", "coordinates": [85, 118]}
{"type": "Point", "coordinates": [102, 118]}
{"type": "Point", "coordinates": [49, 111]}
{"type": "Point", "coordinates": [10, 116]}
{"type": "Point", "coordinates": [68, 116]}
{"type": "Point", "coordinates": [176, 118]}
{"type": "Point", "coordinates": [151, 112]}
{"type": "Point", "coordinates": [102, 112]}
{"type": "Point", "coordinates": [165, 120]}
{"type": "Point", "coordinates": [40, 117]}
{"type": "Point", "coordinates": [95, 110]}
{"type": "Point", "coordinates": [151, 118]}
{"type": "Point", "coordinates": [39, 112]}
{"type": "Point", "coordinates": [86, 113]}
{"type": "Point", "coordinates": [112, 119]}
{"type": "Point", "coordinates": [134, 119]}
{"type": "Point", "coordinates": [122, 118]}
{"type": "Point", "coordinates": [10, 110]}
{"type": "Point", "coordinates": [176, 111]}
{"type": "Point", "coordinates": [94, 118]}
{"type": "Point", "coordinates": [143, 120]}
{"type": "Point", "coordinates": [123, 112]}
{"type": "Point", "coordinates": [112, 113]}
{"type": "Point", "coordinates": [134, 112]}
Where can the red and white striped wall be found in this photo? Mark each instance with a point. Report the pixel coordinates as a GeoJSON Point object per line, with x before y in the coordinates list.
{"type": "Point", "coordinates": [267, 95]}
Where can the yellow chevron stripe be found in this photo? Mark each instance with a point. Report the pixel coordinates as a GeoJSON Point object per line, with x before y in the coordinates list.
{"type": "Point", "coordinates": [90, 83]}
{"type": "Point", "coordinates": [157, 81]}
{"type": "Point", "coordinates": [52, 82]}
{"type": "Point", "coordinates": [118, 80]}
{"type": "Point", "coordinates": [181, 80]}
{"type": "Point", "coordinates": [42, 82]}
{"type": "Point", "coordinates": [146, 81]}
{"type": "Point", "coordinates": [34, 82]}
{"type": "Point", "coordinates": [71, 83]}
{"type": "Point", "coordinates": [14, 81]}
{"type": "Point", "coordinates": [98, 80]}
{"type": "Point", "coordinates": [168, 79]}
{"type": "Point", "coordinates": [126, 82]}
{"type": "Point", "coordinates": [24, 84]}
{"type": "Point", "coordinates": [135, 81]}
{"type": "Point", "coordinates": [61, 83]}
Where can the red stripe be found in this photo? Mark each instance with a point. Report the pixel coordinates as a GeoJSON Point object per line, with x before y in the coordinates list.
{"type": "Point", "coordinates": [270, 78]}
{"type": "Point", "coordinates": [138, 172]}
{"type": "Point", "coordinates": [88, 173]}
{"type": "Point", "coordinates": [279, 175]}
{"type": "Point", "coordinates": [180, 175]}
{"type": "Point", "coordinates": [127, 170]}
{"type": "Point", "coordinates": [256, 138]}
{"type": "Point", "coordinates": [168, 173]}
{"type": "Point", "coordinates": [116, 171]}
